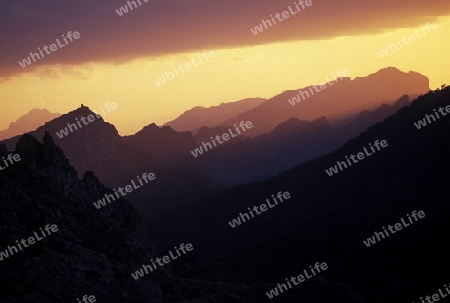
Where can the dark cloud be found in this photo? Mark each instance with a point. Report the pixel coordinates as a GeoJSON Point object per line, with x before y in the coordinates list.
{"type": "Point", "coordinates": [164, 26]}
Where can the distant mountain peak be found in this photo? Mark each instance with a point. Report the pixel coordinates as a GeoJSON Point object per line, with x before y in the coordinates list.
{"type": "Point", "coordinates": [393, 71]}
{"type": "Point", "coordinates": [38, 110]}
{"type": "Point", "coordinates": [389, 68]}
{"type": "Point", "coordinates": [28, 122]}
{"type": "Point", "coordinates": [153, 128]}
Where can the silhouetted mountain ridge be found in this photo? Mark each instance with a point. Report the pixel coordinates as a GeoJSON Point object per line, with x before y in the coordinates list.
{"type": "Point", "coordinates": [328, 218]}
{"type": "Point", "coordinates": [195, 118]}
{"type": "Point", "coordinates": [94, 251]}
{"type": "Point", "coordinates": [166, 145]}
{"type": "Point", "coordinates": [28, 122]}
{"type": "Point", "coordinates": [368, 118]}
{"type": "Point", "coordinates": [343, 98]}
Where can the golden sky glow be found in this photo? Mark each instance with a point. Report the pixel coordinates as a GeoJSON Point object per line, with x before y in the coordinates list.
{"type": "Point", "coordinates": [233, 74]}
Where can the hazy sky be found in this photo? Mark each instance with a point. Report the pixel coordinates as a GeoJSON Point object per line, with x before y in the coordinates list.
{"type": "Point", "coordinates": [117, 58]}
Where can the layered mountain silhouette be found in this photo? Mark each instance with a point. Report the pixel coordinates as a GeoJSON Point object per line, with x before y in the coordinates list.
{"type": "Point", "coordinates": [192, 200]}
{"type": "Point", "coordinates": [368, 118]}
{"type": "Point", "coordinates": [94, 251]}
{"type": "Point", "coordinates": [116, 160]}
{"type": "Point", "coordinates": [205, 133]}
{"type": "Point", "coordinates": [246, 160]}
{"type": "Point", "coordinates": [28, 122]}
{"type": "Point", "coordinates": [328, 218]}
{"type": "Point", "coordinates": [243, 161]}
{"type": "Point", "coordinates": [166, 145]}
{"type": "Point", "coordinates": [342, 99]}
{"type": "Point", "coordinates": [199, 116]}
{"type": "Point", "coordinates": [93, 147]}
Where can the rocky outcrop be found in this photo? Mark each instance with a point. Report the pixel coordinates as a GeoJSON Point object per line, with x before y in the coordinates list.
{"type": "Point", "coordinates": [94, 251]}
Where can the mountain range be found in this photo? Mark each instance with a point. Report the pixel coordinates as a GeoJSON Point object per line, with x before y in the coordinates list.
{"type": "Point", "coordinates": [116, 160]}
{"type": "Point", "coordinates": [328, 218]}
{"type": "Point", "coordinates": [93, 252]}
{"type": "Point", "coordinates": [345, 98]}
{"type": "Point", "coordinates": [192, 200]}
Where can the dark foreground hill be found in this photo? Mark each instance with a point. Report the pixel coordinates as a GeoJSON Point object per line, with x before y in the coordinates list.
{"type": "Point", "coordinates": [116, 160]}
{"type": "Point", "coordinates": [94, 251]}
{"type": "Point", "coordinates": [328, 218]}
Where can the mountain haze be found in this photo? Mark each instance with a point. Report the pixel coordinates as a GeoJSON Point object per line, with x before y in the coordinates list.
{"type": "Point", "coordinates": [116, 160]}
{"type": "Point", "coordinates": [344, 98]}
{"type": "Point", "coordinates": [327, 218]}
{"type": "Point", "coordinates": [28, 122]}
{"type": "Point", "coordinates": [199, 116]}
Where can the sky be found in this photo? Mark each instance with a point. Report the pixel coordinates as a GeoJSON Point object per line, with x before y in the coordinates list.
{"type": "Point", "coordinates": [119, 58]}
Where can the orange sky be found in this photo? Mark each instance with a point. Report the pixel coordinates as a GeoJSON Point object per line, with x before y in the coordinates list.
{"type": "Point", "coordinates": [234, 73]}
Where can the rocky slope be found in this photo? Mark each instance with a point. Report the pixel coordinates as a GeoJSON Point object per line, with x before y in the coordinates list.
{"type": "Point", "coordinates": [94, 251]}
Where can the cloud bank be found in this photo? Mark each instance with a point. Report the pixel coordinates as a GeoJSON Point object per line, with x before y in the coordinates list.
{"type": "Point", "coordinates": [161, 27]}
